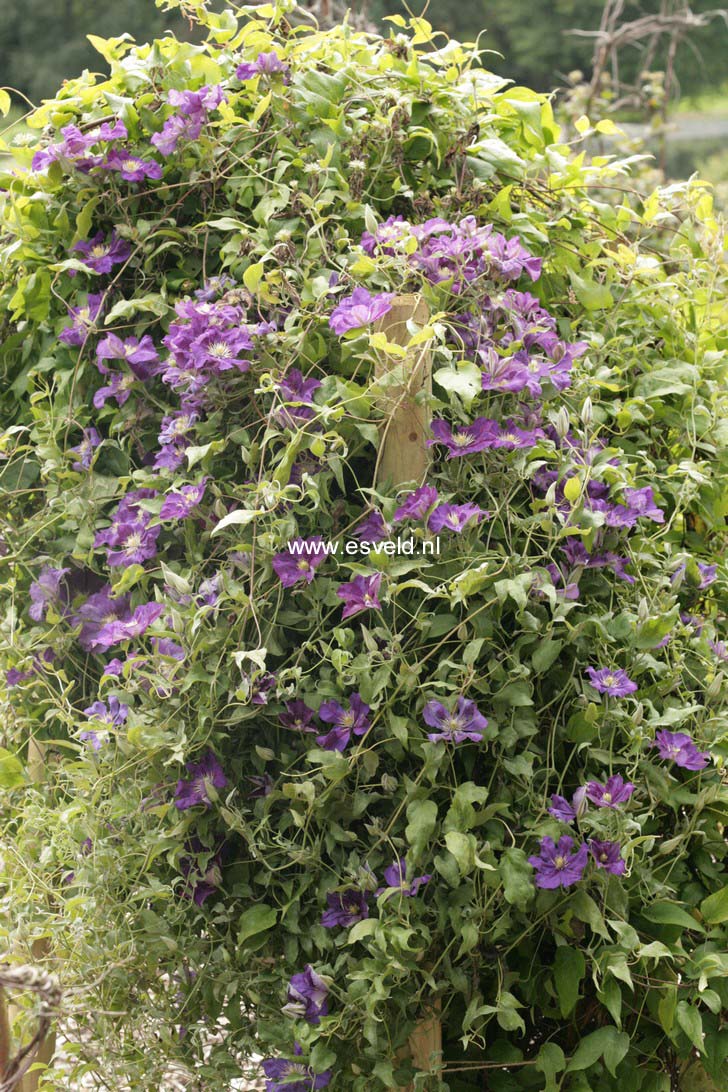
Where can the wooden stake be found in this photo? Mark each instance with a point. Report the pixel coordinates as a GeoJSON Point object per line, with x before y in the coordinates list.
{"type": "Point", "coordinates": [425, 1042]}
{"type": "Point", "coordinates": [404, 457]}
{"type": "Point", "coordinates": [403, 454]}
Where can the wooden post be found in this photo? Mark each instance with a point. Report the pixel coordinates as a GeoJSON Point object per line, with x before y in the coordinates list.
{"type": "Point", "coordinates": [40, 948]}
{"type": "Point", "coordinates": [6, 1043]}
{"type": "Point", "coordinates": [403, 454]}
{"type": "Point", "coordinates": [425, 1042]}
{"type": "Point", "coordinates": [404, 457]}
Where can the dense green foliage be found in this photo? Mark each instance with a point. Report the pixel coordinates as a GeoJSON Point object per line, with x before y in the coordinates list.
{"type": "Point", "coordinates": [42, 42]}
{"type": "Point", "coordinates": [165, 920]}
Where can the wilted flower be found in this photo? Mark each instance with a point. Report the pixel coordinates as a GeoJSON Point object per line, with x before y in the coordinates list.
{"type": "Point", "coordinates": [45, 591]}
{"type": "Point", "coordinates": [679, 747]}
{"type": "Point", "coordinates": [85, 450]}
{"type": "Point", "coordinates": [565, 811]}
{"type": "Point", "coordinates": [396, 876]}
{"type": "Point", "coordinates": [307, 996]}
{"type": "Point", "coordinates": [556, 865]}
{"type": "Point", "coordinates": [281, 1071]}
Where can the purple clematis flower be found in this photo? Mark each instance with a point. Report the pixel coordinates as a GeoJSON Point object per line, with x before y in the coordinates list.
{"type": "Point", "coordinates": [556, 865]}
{"type": "Point", "coordinates": [360, 594]}
{"type": "Point", "coordinates": [45, 591]}
{"type": "Point", "coordinates": [114, 713]}
{"type": "Point", "coordinates": [300, 560]}
{"type": "Point", "coordinates": [608, 855]}
{"type": "Point", "coordinates": [85, 450]}
{"type": "Point", "coordinates": [194, 790]}
{"type": "Point", "coordinates": [102, 256]}
{"type": "Point", "coordinates": [82, 320]}
{"type": "Point", "coordinates": [298, 717]}
{"type": "Point", "coordinates": [396, 876]}
{"type": "Point", "coordinates": [344, 722]}
{"type": "Point", "coordinates": [124, 629]}
{"type": "Point", "coordinates": [307, 996]}
{"type": "Point", "coordinates": [372, 528]}
{"type": "Point", "coordinates": [679, 747]}
{"type": "Point", "coordinates": [642, 503]}
{"type": "Point", "coordinates": [186, 123]}
{"type": "Point", "coordinates": [614, 682]}
{"type": "Point", "coordinates": [455, 517]}
{"type": "Point", "coordinates": [200, 884]}
{"type": "Point", "coordinates": [140, 355]}
{"type": "Point", "coordinates": [417, 504]}
{"type": "Point", "coordinates": [132, 168]}
{"type": "Point", "coordinates": [262, 786]}
{"type": "Point", "coordinates": [179, 505]}
{"type": "Point", "coordinates": [297, 392]}
{"type": "Point", "coordinates": [281, 1071]}
{"type": "Point", "coordinates": [614, 792]}
{"type": "Point", "coordinates": [345, 908]}
{"type": "Point", "coordinates": [96, 612]}
{"type": "Point", "coordinates": [467, 439]}
{"type": "Point", "coordinates": [565, 811]}
{"type": "Point", "coordinates": [265, 64]}
{"type": "Point", "coordinates": [359, 309]}
{"type": "Point", "coordinates": [466, 723]}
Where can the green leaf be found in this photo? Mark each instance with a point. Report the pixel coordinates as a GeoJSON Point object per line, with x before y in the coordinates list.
{"type": "Point", "coordinates": [11, 770]}
{"type": "Point", "coordinates": [462, 847]}
{"type": "Point", "coordinates": [585, 909]}
{"type": "Point", "coordinates": [258, 919]}
{"type": "Point", "coordinates": [569, 969]}
{"type": "Point", "coordinates": [517, 876]}
{"type": "Point", "coordinates": [597, 1044]}
{"type": "Point", "coordinates": [590, 294]}
{"type": "Point", "coordinates": [667, 913]}
{"type": "Point", "coordinates": [516, 589]}
{"type": "Point", "coordinates": [545, 654]}
{"type": "Point", "coordinates": [550, 1061]}
{"type": "Point", "coordinates": [466, 381]}
{"type": "Point", "coordinates": [422, 817]}
{"type": "Point", "coordinates": [715, 908]}
{"type": "Point", "coordinates": [361, 929]}
{"type": "Point", "coordinates": [691, 1022]}
{"type": "Point", "coordinates": [153, 302]}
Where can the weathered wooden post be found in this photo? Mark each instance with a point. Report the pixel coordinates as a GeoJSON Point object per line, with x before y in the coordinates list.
{"type": "Point", "coordinates": [404, 457]}
{"type": "Point", "coordinates": [403, 454]}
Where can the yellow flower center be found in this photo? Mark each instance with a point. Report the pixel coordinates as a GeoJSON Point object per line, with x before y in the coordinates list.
{"type": "Point", "coordinates": [303, 565]}
{"type": "Point", "coordinates": [462, 439]}
{"type": "Point", "coordinates": [347, 721]}
{"type": "Point", "coordinates": [99, 250]}
{"type": "Point", "coordinates": [610, 680]}
{"type": "Point", "coordinates": [131, 164]}
{"type": "Point", "coordinates": [607, 798]}
{"type": "Point", "coordinates": [603, 858]}
{"type": "Point", "coordinates": [560, 862]}
{"type": "Point", "coordinates": [133, 542]}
